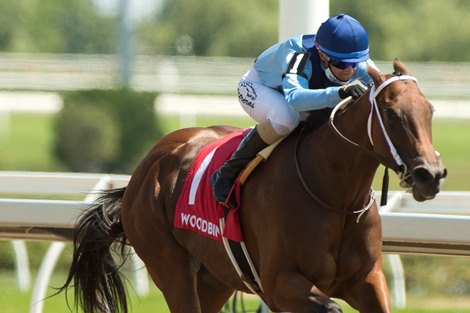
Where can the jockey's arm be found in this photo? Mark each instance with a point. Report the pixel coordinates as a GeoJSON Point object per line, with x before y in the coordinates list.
{"type": "Point", "coordinates": [301, 98]}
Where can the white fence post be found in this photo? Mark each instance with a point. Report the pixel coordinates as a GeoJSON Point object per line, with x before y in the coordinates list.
{"type": "Point", "coordinates": [23, 274]}
{"type": "Point", "coordinates": [141, 279]}
{"type": "Point", "coordinates": [44, 274]}
{"type": "Point", "coordinates": [398, 281]}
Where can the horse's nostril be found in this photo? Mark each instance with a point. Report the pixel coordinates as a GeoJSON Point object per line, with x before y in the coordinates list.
{"type": "Point", "coordinates": [444, 174]}
{"type": "Point", "coordinates": [421, 174]}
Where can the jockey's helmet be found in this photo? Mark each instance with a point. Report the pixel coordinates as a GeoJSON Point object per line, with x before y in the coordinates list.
{"type": "Point", "coordinates": [343, 38]}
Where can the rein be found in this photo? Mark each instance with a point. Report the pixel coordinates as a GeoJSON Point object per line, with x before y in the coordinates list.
{"type": "Point", "coordinates": [316, 198]}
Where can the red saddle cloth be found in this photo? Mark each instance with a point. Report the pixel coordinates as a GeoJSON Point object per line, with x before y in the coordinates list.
{"type": "Point", "coordinates": [196, 208]}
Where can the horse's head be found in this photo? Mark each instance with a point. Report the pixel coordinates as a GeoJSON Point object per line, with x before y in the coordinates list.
{"type": "Point", "coordinates": [406, 116]}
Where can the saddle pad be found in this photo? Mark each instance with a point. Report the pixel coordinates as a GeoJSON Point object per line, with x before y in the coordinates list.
{"type": "Point", "coordinates": [196, 208]}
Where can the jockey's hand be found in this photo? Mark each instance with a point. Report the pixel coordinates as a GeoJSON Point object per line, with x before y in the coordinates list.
{"type": "Point", "coordinates": [354, 89]}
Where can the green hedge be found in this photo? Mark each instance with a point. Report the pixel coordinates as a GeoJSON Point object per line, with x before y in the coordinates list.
{"type": "Point", "coordinates": [105, 130]}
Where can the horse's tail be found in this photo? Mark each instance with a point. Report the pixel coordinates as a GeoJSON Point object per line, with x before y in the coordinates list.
{"type": "Point", "coordinates": [94, 275]}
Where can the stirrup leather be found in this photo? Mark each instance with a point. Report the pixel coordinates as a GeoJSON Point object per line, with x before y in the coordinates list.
{"type": "Point", "coordinates": [263, 155]}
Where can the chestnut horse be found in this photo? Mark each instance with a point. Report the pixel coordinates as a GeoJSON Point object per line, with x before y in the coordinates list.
{"type": "Point", "coordinates": [308, 216]}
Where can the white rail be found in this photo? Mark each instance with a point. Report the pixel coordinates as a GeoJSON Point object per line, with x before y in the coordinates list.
{"type": "Point", "coordinates": [47, 219]}
{"type": "Point", "coordinates": [51, 220]}
{"type": "Point", "coordinates": [440, 226]}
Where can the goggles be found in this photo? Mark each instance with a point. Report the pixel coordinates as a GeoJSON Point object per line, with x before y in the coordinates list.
{"type": "Point", "coordinates": [342, 65]}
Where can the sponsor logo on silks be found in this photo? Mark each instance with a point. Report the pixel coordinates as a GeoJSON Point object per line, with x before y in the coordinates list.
{"type": "Point", "coordinates": [246, 93]}
{"type": "Point", "coordinates": [200, 224]}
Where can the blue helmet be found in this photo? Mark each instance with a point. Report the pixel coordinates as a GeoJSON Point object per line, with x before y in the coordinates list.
{"type": "Point", "coordinates": [343, 38]}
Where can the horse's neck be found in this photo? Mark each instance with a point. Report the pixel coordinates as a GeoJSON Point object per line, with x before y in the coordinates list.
{"type": "Point", "coordinates": [345, 170]}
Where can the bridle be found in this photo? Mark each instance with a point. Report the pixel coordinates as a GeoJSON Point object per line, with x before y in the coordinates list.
{"type": "Point", "coordinates": [398, 165]}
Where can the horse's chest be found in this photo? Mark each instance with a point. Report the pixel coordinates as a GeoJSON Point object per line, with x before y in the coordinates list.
{"type": "Point", "coordinates": [327, 273]}
{"type": "Point", "coordinates": [334, 270]}
{"type": "Point", "coordinates": [353, 259]}
{"type": "Point", "coordinates": [345, 260]}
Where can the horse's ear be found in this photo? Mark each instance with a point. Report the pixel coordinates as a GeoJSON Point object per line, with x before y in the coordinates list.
{"type": "Point", "coordinates": [400, 68]}
{"type": "Point", "coordinates": [376, 76]}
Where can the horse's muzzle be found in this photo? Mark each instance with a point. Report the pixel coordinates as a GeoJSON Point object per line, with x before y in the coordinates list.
{"type": "Point", "coordinates": [427, 180]}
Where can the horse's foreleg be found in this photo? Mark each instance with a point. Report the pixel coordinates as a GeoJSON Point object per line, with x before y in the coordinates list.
{"type": "Point", "coordinates": [294, 293]}
{"type": "Point", "coordinates": [370, 295]}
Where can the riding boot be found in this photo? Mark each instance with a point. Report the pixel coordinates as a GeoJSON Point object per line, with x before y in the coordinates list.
{"type": "Point", "coordinates": [223, 179]}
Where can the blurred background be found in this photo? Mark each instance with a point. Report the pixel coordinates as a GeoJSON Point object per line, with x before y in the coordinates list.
{"type": "Point", "coordinates": [90, 85]}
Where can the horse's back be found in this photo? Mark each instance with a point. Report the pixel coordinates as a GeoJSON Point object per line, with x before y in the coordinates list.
{"type": "Point", "coordinates": [185, 140]}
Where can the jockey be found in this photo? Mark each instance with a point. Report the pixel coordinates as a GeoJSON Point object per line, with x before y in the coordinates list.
{"type": "Point", "coordinates": [304, 73]}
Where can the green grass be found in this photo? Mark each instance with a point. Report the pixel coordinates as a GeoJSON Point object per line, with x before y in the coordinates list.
{"type": "Point", "coordinates": [451, 140]}
{"type": "Point", "coordinates": [27, 143]}
{"type": "Point", "coordinates": [434, 284]}
{"type": "Point", "coordinates": [27, 140]}
{"type": "Point", "coordinates": [14, 301]}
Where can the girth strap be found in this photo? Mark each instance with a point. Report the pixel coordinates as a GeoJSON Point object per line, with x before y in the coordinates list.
{"type": "Point", "coordinates": [237, 251]}
{"type": "Point", "coordinates": [241, 261]}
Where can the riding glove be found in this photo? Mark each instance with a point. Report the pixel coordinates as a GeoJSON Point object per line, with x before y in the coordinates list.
{"type": "Point", "coordinates": [354, 89]}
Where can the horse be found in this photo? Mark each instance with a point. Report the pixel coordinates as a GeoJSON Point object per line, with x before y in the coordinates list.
{"type": "Point", "coordinates": [308, 215]}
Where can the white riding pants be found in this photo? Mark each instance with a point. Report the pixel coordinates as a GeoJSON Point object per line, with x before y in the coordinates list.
{"type": "Point", "coordinates": [264, 103]}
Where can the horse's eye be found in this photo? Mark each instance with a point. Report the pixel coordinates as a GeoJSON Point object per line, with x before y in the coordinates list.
{"type": "Point", "coordinates": [390, 114]}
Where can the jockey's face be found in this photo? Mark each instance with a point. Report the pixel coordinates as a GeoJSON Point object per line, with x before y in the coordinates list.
{"type": "Point", "coordinates": [342, 71]}
{"type": "Point", "coordinates": [344, 74]}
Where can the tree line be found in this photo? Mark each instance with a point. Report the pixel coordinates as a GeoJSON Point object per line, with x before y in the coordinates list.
{"type": "Point", "coordinates": [418, 30]}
